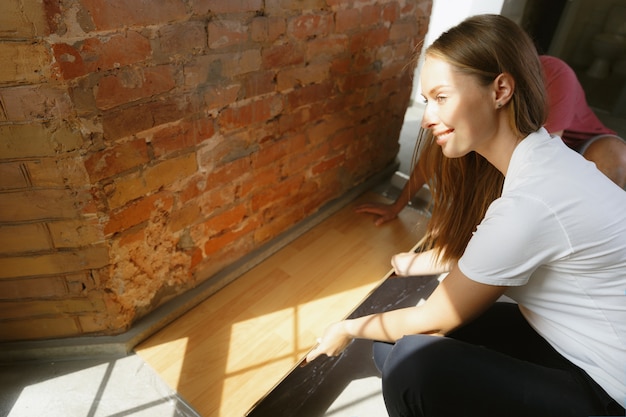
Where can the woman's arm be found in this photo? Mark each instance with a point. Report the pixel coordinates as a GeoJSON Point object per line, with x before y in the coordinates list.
{"type": "Point", "coordinates": [455, 301]}
{"type": "Point", "coordinates": [421, 263]}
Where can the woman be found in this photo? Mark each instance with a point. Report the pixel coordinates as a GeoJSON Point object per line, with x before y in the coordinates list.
{"type": "Point", "coordinates": [554, 241]}
{"type": "Point", "coordinates": [569, 117]}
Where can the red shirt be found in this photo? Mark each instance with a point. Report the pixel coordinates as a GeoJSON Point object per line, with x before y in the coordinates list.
{"type": "Point", "coordinates": [567, 106]}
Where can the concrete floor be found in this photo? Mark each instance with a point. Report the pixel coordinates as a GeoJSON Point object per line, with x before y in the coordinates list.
{"type": "Point", "coordinates": [87, 388]}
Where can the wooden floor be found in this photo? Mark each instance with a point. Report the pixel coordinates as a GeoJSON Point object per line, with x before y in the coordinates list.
{"type": "Point", "coordinates": [229, 351]}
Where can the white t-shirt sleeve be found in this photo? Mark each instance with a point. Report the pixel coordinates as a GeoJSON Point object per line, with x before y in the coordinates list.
{"type": "Point", "coordinates": [518, 234]}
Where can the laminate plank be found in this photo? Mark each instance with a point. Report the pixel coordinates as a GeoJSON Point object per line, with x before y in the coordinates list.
{"type": "Point", "coordinates": [231, 349]}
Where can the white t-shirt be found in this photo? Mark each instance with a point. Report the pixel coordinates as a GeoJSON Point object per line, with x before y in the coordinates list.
{"type": "Point", "coordinates": [557, 237]}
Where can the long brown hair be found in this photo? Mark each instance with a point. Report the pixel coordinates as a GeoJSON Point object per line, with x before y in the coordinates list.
{"type": "Point", "coordinates": [484, 47]}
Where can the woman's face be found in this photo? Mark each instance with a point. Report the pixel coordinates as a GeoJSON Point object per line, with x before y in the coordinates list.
{"type": "Point", "coordinates": [460, 112]}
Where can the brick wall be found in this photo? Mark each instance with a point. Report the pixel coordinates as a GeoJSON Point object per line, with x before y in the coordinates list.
{"type": "Point", "coordinates": [145, 145]}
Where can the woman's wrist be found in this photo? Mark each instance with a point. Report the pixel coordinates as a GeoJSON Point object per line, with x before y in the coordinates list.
{"type": "Point", "coordinates": [349, 328]}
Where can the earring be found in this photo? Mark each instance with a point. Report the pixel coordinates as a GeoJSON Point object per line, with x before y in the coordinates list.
{"type": "Point", "coordinates": [499, 105]}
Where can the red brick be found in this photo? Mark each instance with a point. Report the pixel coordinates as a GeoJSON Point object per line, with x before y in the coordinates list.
{"type": "Point", "coordinates": [270, 154]}
{"type": "Point", "coordinates": [401, 69]}
{"type": "Point", "coordinates": [253, 112]}
{"type": "Point", "coordinates": [369, 39]}
{"type": "Point", "coordinates": [116, 51]}
{"type": "Point", "coordinates": [32, 288]}
{"type": "Point", "coordinates": [295, 119]}
{"type": "Point", "coordinates": [273, 152]}
{"type": "Point", "coordinates": [193, 188]}
{"type": "Point", "coordinates": [370, 15]}
{"type": "Point", "coordinates": [220, 6]}
{"type": "Point", "coordinates": [137, 212]}
{"type": "Point", "coordinates": [309, 95]}
{"type": "Point", "coordinates": [96, 54]}
{"type": "Point", "coordinates": [183, 217]}
{"type": "Point", "coordinates": [391, 12]}
{"type": "Point", "coordinates": [179, 38]}
{"type": "Point", "coordinates": [142, 116]}
{"type": "Point", "coordinates": [79, 284]}
{"type": "Point", "coordinates": [117, 159]}
{"type": "Point", "coordinates": [238, 63]}
{"type": "Point", "coordinates": [227, 148]}
{"type": "Point", "coordinates": [203, 69]}
{"type": "Point", "coordinates": [228, 173]}
{"type": "Point", "coordinates": [196, 258]}
{"type": "Point", "coordinates": [75, 233]}
{"type": "Point", "coordinates": [131, 85]}
{"type": "Point", "coordinates": [280, 6]}
{"type": "Point", "coordinates": [267, 29]}
{"type": "Point", "coordinates": [47, 307]}
{"type": "Point", "coordinates": [99, 324]}
{"type": "Point", "coordinates": [358, 81]}
{"type": "Point", "coordinates": [228, 220]}
{"type": "Point", "coordinates": [328, 164]}
{"type": "Point", "coordinates": [38, 328]}
{"type": "Point", "coordinates": [13, 175]}
{"type": "Point", "coordinates": [402, 30]}
{"type": "Point", "coordinates": [47, 263]}
{"type": "Point", "coordinates": [323, 49]}
{"type": "Point", "coordinates": [220, 242]}
{"type": "Point", "coordinates": [225, 33]}
{"type": "Point", "coordinates": [203, 128]}
{"type": "Point", "coordinates": [137, 184]}
{"type": "Point", "coordinates": [23, 20]}
{"type": "Point", "coordinates": [278, 225]}
{"type": "Point", "coordinates": [310, 25]}
{"type": "Point", "coordinates": [64, 172]}
{"type": "Point", "coordinates": [259, 83]}
{"type": "Point", "coordinates": [215, 198]}
{"type": "Point", "coordinates": [30, 237]}
{"type": "Point", "coordinates": [29, 62]}
{"type": "Point", "coordinates": [112, 14]}
{"type": "Point", "coordinates": [301, 76]}
{"type": "Point", "coordinates": [69, 61]}
{"type": "Point", "coordinates": [347, 20]}
{"type": "Point", "coordinates": [326, 129]}
{"type": "Point", "coordinates": [27, 205]}
{"type": "Point", "coordinates": [218, 97]}
{"type": "Point", "coordinates": [300, 163]}
{"type": "Point", "coordinates": [276, 194]}
{"type": "Point", "coordinates": [262, 177]}
{"type": "Point", "coordinates": [344, 140]}
{"type": "Point", "coordinates": [281, 56]}
{"type": "Point", "coordinates": [422, 8]}
{"type": "Point", "coordinates": [32, 102]}
{"type": "Point", "coordinates": [179, 136]}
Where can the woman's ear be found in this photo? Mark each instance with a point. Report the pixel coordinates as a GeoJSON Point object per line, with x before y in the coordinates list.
{"type": "Point", "coordinates": [503, 87]}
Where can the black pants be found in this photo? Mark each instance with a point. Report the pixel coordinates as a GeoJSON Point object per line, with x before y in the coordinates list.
{"type": "Point", "coordinates": [495, 366]}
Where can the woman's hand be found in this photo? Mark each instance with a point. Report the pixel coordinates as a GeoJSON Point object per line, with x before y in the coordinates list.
{"type": "Point", "coordinates": [383, 212]}
{"type": "Point", "coordinates": [402, 263]}
{"type": "Point", "coordinates": [332, 343]}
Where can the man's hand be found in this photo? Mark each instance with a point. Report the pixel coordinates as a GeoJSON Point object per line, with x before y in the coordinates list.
{"type": "Point", "coordinates": [383, 212]}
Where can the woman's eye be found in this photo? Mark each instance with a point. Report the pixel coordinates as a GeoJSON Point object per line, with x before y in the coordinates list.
{"type": "Point", "coordinates": [441, 99]}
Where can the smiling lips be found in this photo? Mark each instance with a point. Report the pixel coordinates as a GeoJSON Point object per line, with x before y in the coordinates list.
{"type": "Point", "coordinates": [442, 136]}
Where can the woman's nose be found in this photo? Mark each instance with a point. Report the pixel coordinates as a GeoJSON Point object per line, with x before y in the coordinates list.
{"type": "Point", "coordinates": [428, 121]}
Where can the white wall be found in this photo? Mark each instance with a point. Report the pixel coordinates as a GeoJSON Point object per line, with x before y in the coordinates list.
{"type": "Point", "coordinates": [445, 14]}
